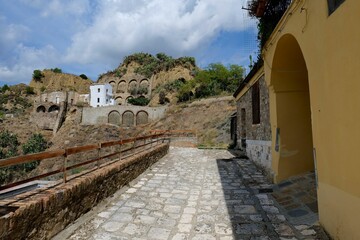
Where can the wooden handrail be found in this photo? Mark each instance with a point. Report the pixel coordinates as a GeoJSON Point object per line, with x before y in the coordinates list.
{"type": "Point", "coordinates": [70, 151]}
{"type": "Point", "coordinates": [73, 150]}
{"type": "Point", "coordinates": [30, 158]}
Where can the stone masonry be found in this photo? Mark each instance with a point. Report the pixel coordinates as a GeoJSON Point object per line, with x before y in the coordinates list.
{"type": "Point", "coordinates": [42, 213]}
{"type": "Point", "coordinates": [256, 136]}
{"type": "Point", "coordinates": [192, 194]}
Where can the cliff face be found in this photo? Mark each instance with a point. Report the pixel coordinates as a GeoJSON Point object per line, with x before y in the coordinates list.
{"type": "Point", "coordinates": [51, 82]}
{"type": "Point", "coordinates": [146, 73]}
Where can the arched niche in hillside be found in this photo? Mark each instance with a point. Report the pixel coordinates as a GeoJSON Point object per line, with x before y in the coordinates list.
{"type": "Point", "coordinates": [114, 117]}
{"type": "Point", "coordinates": [128, 119]}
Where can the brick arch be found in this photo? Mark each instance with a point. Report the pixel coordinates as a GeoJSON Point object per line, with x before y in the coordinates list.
{"type": "Point", "coordinates": [119, 100]}
{"type": "Point", "coordinates": [113, 85]}
{"type": "Point", "coordinates": [128, 119]}
{"type": "Point", "coordinates": [114, 117]}
{"type": "Point", "coordinates": [127, 99]}
{"type": "Point", "coordinates": [54, 108]}
{"type": "Point", "coordinates": [132, 85]}
{"type": "Point", "coordinates": [144, 86]}
{"type": "Point", "coordinates": [121, 86]}
{"type": "Point", "coordinates": [41, 108]}
{"type": "Point", "coordinates": [142, 117]}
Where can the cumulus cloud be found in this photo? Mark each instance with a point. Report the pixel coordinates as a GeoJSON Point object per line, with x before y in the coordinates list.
{"type": "Point", "coordinates": [25, 61]}
{"type": "Point", "coordinates": [59, 7]}
{"type": "Point", "coordinates": [92, 36]}
{"type": "Point", "coordinates": [176, 27]}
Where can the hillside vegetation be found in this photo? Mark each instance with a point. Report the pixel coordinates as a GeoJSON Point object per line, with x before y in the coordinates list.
{"type": "Point", "coordinates": [51, 80]}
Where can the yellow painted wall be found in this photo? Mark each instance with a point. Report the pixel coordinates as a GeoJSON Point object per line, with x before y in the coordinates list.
{"type": "Point", "coordinates": [330, 46]}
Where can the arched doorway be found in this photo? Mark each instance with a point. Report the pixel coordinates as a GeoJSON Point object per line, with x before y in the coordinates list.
{"type": "Point", "coordinates": [121, 87]}
{"type": "Point", "coordinates": [291, 108]}
{"type": "Point", "coordinates": [54, 108]}
{"type": "Point", "coordinates": [114, 118]}
{"type": "Point", "coordinates": [128, 119]}
{"type": "Point", "coordinates": [41, 109]}
{"type": "Point", "coordinates": [119, 100]}
{"type": "Point", "coordinates": [142, 118]}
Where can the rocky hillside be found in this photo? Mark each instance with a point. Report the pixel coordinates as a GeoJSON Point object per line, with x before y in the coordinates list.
{"type": "Point", "coordinates": [51, 81]}
{"type": "Point", "coordinates": [209, 117]}
{"type": "Point", "coordinates": [159, 70]}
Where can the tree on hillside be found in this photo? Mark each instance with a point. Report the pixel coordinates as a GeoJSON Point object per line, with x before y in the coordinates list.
{"type": "Point", "coordinates": [37, 75]}
{"type": "Point", "coordinates": [214, 80]}
{"type": "Point", "coordinates": [268, 20]}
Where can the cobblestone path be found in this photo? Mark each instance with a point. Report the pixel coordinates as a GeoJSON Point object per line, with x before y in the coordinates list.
{"type": "Point", "coordinates": [192, 194]}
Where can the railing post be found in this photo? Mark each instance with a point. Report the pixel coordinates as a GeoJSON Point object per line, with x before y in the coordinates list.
{"type": "Point", "coordinates": [98, 155]}
{"type": "Point", "coordinates": [120, 151]}
{"type": "Point", "coordinates": [64, 166]}
{"type": "Point", "coordinates": [133, 147]}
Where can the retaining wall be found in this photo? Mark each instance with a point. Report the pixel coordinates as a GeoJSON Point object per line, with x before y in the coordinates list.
{"type": "Point", "coordinates": [44, 214]}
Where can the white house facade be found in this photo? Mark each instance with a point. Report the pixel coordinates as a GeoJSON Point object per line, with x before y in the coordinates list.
{"type": "Point", "coordinates": [101, 95]}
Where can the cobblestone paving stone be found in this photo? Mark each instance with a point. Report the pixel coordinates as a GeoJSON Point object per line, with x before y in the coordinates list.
{"type": "Point", "coordinates": [193, 194]}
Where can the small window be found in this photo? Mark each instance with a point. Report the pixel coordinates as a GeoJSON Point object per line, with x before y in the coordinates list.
{"type": "Point", "coordinates": [98, 100]}
{"type": "Point", "coordinates": [255, 99]}
{"type": "Point", "coordinates": [333, 5]}
{"type": "Point", "coordinates": [98, 89]}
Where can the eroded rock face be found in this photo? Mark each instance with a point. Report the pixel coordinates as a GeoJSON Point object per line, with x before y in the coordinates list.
{"type": "Point", "coordinates": [60, 82]}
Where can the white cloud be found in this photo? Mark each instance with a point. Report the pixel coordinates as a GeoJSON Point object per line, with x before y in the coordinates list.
{"type": "Point", "coordinates": [176, 27]}
{"type": "Point", "coordinates": [50, 8]}
{"type": "Point", "coordinates": [27, 60]}
{"type": "Point", "coordinates": [95, 34]}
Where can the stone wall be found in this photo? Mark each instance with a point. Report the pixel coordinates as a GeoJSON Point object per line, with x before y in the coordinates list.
{"type": "Point", "coordinates": [255, 138]}
{"type": "Point", "coordinates": [49, 116]}
{"type": "Point", "coordinates": [129, 115]}
{"type": "Point", "coordinates": [42, 215]}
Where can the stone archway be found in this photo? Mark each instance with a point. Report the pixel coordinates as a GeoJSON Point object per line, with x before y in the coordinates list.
{"type": "Point", "coordinates": [132, 88]}
{"type": "Point", "coordinates": [144, 86]}
{"type": "Point", "coordinates": [114, 117]}
{"type": "Point", "coordinates": [119, 100]}
{"type": "Point", "coordinates": [41, 108]}
{"type": "Point", "coordinates": [113, 85]}
{"type": "Point", "coordinates": [142, 117]}
{"type": "Point", "coordinates": [54, 108]}
{"type": "Point", "coordinates": [289, 84]}
{"type": "Point", "coordinates": [128, 119]}
{"type": "Point", "coordinates": [121, 87]}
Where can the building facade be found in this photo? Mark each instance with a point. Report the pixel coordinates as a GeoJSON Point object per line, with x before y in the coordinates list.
{"type": "Point", "coordinates": [253, 129]}
{"type": "Point", "coordinates": [309, 64]}
{"type": "Point", "coordinates": [101, 95]}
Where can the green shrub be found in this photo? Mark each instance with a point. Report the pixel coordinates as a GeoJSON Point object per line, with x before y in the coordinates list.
{"type": "Point", "coordinates": [56, 70]}
{"type": "Point", "coordinates": [142, 90]}
{"type": "Point", "coordinates": [42, 89]}
{"type": "Point", "coordinates": [5, 88]}
{"type": "Point", "coordinates": [35, 144]}
{"type": "Point", "coordinates": [37, 75]}
{"type": "Point", "coordinates": [8, 144]}
{"type": "Point", "coordinates": [83, 76]}
{"type": "Point", "coordinates": [140, 101]}
{"type": "Point", "coordinates": [29, 90]}
{"type": "Point", "coordinates": [162, 98]}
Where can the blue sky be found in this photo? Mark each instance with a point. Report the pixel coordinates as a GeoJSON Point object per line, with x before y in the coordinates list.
{"type": "Point", "coordinates": [93, 36]}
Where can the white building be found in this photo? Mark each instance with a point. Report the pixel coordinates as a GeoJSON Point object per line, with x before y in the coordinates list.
{"type": "Point", "coordinates": [101, 95]}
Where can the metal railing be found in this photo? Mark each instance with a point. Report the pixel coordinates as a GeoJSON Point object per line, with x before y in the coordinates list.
{"type": "Point", "coordinates": [176, 133]}
{"type": "Point", "coordinates": [119, 149]}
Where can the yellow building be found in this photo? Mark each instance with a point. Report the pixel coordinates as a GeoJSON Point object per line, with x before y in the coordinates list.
{"type": "Point", "coordinates": [311, 62]}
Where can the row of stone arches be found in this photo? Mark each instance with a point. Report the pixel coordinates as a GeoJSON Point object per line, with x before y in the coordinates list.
{"type": "Point", "coordinates": [43, 109]}
{"type": "Point", "coordinates": [128, 118]}
{"type": "Point", "coordinates": [120, 100]}
{"type": "Point", "coordinates": [122, 86]}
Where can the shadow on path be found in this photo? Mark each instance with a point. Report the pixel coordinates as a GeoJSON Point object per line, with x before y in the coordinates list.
{"type": "Point", "coordinates": [253, 211]}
